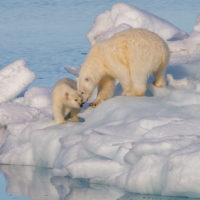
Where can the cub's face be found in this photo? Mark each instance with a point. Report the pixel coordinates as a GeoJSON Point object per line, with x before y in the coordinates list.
{"type": "Point", "coordinates": [85, 87]}
{"type": "Point", "coordinates": [73, 100]}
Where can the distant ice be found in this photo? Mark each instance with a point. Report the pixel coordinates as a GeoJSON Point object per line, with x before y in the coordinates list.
{"type": "Point", "coordinates": [14, 78]}
{"type": "Point", "coordinates": [190, 45]}
{"type": "Point", "coordinates": [72, 70]}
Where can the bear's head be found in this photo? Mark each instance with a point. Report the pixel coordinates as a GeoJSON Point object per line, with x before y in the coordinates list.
{"type": "Point", "coordinates": [85, 86]}
{"type": "Point", "coordinates": [73, 100]}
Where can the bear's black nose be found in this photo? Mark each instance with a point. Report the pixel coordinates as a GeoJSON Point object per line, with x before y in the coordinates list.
{"type": "Point", "coordinates": [81, 105]}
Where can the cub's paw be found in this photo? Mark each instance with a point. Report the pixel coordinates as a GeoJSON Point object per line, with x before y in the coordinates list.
{"type": "Point", "coordinates": [74, 119]}
{"type": "Point", "coordinates": [61, 122]}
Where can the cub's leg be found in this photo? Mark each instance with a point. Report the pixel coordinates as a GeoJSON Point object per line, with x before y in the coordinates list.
{"type": "Point", "coordinates": [74, 116]}
{"type": "Point", "coordinates": [105, 90]}
{"type": "Point", "coordinates": [58, 114]}
{"type": "Point", "coordinates": [159, 77]}
{"type": "Point", "coordinates": [66, 112]}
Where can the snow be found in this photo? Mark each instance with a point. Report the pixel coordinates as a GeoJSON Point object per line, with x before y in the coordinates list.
{"type": "Point", "coordinates": [123, 16]}
{"type": "Point", "coordinates": [14, 74]}
{"type": "Point", "coordinates": [189, 45]}
{"type": "Point", "coordinates": [147, 145]}
{"type": "Point", "coordinates": [131, 16]}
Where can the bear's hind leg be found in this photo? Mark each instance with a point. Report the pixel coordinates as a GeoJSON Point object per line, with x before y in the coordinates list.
{"type": "Point", "coordinates": [139, 82]}
{"type": "Point", "coordinates": [159, 77]}
{"type": "Point", "coordinates": [105, 90]}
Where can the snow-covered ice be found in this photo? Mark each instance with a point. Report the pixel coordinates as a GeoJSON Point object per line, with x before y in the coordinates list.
{"type": "Point", "coordinates": [15, 74]}
{"type": "Point", "coordinates": [122, 13]}
{"type": "Point", "coordinates": [123, 16]}
{"type": "Point", "coordinates": [147, 145]}
{"type": "Point", "coordinates": [189, 45]}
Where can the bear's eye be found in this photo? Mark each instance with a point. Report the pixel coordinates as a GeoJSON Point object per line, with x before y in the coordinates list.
{"type": "Point", "coordinates": [82, 93]}
{"type": "Point", "coordinates": [86, 79]}
{"type": "Point", "coordinates": [75, 99]}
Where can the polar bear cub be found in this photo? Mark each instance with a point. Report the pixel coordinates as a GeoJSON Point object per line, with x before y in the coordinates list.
{"type": "Point", "coordinates": [66, 101]}
{"type": "Point", "coordinates": [129, 56]}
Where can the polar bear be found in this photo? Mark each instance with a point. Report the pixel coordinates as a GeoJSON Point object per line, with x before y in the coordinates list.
{"type": "Point", "coordinates": [66, 101]}
{"type": "Point", "coordinates": [130, 56]}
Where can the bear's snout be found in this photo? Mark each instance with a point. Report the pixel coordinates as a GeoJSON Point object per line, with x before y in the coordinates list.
{"type": "Point", "coordinates": [81, 105]}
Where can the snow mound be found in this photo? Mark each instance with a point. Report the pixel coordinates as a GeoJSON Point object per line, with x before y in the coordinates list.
{"type": "Point", "coordinates": [40, 98]}
{"type": "Point", "coordinates": [112, 31]}
{"type": "Point", "coordinates": [197, 25]}
{"type": "Point", "coordinates": [15, 74]}
{"type": "Point", "coordinates": [123, 16]}
{"type": "Point", "coordinates": [34, 105]}
{"type": "Point", "coordinates": [72, 70]}
{"type": "Point", "coordinates": [131, 16]}
{"type": "Point", "coordinates": [190, 45]}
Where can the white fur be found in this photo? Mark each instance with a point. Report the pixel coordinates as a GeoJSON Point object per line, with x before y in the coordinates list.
{"type": "Point", "coordinates": [65, 100]}
{"type": "Point", "coordinates": [130, 57]}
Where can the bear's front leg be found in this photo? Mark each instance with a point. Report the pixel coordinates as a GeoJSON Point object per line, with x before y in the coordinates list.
{"type": "Point", "coordinates": [126, 86]}
{"type": "Point", "coordinates": [105, 90]}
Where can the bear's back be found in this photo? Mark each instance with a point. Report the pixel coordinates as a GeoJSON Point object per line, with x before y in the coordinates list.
{"type": "Point", "coordinates": [132, 44]}
{"type": "Point", "coordinates": [134, 37]}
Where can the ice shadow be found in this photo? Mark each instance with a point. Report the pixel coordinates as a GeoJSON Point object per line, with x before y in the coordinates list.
{"type": "Point", "coordinates": [177, 71]}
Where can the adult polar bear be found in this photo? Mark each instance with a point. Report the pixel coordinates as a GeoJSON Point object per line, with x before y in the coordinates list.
{"type": "Point", "coordinates": [130, 56]}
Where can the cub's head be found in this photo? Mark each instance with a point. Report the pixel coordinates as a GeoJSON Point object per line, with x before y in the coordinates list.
{"type": "Point", "coordinates": [73, 100]}
{"type": "Point", "coordinates": [85, 86]}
